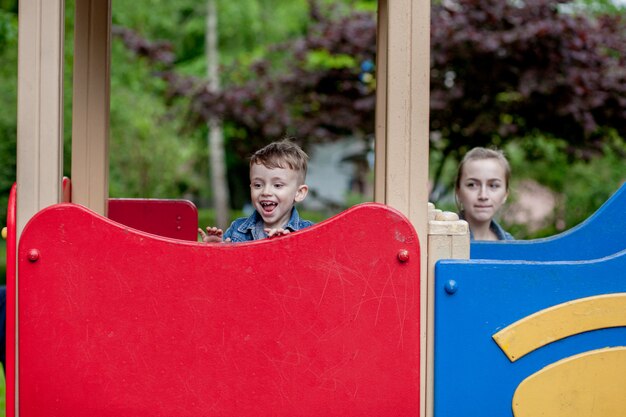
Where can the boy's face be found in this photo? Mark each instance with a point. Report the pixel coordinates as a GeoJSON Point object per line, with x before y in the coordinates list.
{"type": "Point", "coordinates": [274, 191]}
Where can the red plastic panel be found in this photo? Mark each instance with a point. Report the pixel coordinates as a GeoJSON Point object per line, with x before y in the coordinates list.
{"type": "Point", "coordinates": [322, 322]}
{"type": "Point", "coordinates": [177, 219]}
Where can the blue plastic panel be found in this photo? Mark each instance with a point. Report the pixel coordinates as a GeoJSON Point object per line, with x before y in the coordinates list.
{"type": "Point", "coordinates": [473, 377]}
{"type": "Point", "coordinates": [602, 234]}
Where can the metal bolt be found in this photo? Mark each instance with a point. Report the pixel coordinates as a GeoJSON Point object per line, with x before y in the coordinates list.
{"type": "Point", "coordinates": [33, 255]}
{"type": "Point", "coordinates": [451, 287]}
{"type": "Point", "coordinates": [403, 255]}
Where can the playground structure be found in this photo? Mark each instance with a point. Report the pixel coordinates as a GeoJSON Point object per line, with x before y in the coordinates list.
{"type": "Point", "coordinates": [536, 327]}
{"type": "Point", "coordinates": [354, 316]}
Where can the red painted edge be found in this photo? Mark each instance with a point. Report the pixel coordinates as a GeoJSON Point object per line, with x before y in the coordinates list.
{"type": "Point", "coordinates": [66, 187]}
{"type": "Point", "coordinates": [10, 303]}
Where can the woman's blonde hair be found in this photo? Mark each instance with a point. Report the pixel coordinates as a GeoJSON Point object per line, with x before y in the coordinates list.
{"type": "Point", "coordinates": [479, 153]}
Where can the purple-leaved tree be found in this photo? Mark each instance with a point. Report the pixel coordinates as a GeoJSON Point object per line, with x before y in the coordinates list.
{"type": "Point", "coordinates": [500, 70]}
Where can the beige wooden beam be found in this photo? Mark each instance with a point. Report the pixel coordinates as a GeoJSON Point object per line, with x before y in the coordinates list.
{"type": "Point", "coordinates": [448, 238]}
{"type": "Point", "coordinates": [39, 107]}
{"type": "Point", "coordinates": [39, 121]}
{"type": "Point", "coordinates": [90, 120]}
{"type": "Point", "coordinates": [402, 115]}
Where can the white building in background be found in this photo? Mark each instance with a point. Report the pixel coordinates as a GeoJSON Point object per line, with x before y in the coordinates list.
{"type": "Point", "coordinates": [336, 169]}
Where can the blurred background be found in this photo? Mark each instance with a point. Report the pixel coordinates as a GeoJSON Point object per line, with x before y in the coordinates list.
{"type": "Point", "coordinates": [198, 85]}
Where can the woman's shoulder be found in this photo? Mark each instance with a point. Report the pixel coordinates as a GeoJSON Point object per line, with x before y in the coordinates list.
{"type": "Point", "coordinates": [500, 232]}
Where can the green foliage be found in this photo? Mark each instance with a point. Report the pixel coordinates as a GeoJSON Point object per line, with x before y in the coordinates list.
{"type": "Point", "coordinates": [68, 87]}
{"type": "Point", "coordinates": [502, 71]}
{"type": "Point", "coordinates": [589, 184]}
{"type": "Point", "coordinates": [582, 185]}
{"type": "Point", "coordinates": [154, 150]}
{"type": "Point", "coordinates": [366, 5]}
{"type": "Point", "coordinates": [9, 6]}
{"type": "Point", "coordinates": [322, 59]}
{"type": "Point", "coordinates": [246, 27]}
{"type": "Point", "coordinates": [541, 158]}
{"type": "Point", "coordinates": [599, 6]}
{"type": "Point", "coordinates": [8, 29]}
{"type": "Point", "coordinates": [150, 156]}
{"type": "Point", "coordinates": [8, 98]}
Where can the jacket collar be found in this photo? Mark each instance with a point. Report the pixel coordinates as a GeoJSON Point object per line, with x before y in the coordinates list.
{"type": "Point", "coordinates": [254, 223]}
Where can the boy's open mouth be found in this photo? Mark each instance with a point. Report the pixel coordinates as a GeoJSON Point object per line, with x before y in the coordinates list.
{"type": "Point", "coordinates": [268, 206]}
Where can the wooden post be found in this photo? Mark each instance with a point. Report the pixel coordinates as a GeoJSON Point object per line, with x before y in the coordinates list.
{"type": "Point", "coordinates": [448, 238]}
{"type": "Point", "coordinates": [40, 107]}
{"type": "Point", "coordinates": [402, 114]}
{"type": "Point", "coordinates": [39, 122]}
{"type": "Point", "coordinates": [90, 127]}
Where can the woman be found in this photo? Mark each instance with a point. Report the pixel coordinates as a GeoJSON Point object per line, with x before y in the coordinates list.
{"type": "Point", "coordinates": [482, 187]}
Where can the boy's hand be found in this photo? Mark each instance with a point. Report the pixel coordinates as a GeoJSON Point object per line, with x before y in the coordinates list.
{"type": "Point", "coordinates": [212, 235]}
{"type": "Point", "coordinates": [276, 232]}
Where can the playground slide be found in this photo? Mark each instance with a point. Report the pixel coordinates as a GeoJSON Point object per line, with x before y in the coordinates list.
{"type": "Point", "coordinates": [118, 322]}
{"type": "Point", "coordinates": [519, 338]}
{"type": "Point", "coordinates": [602, 234]}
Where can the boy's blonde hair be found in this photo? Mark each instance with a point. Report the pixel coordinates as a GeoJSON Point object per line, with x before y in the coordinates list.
{"type": "Point", "coordinates": [479, 153]}
{"type": "Point", "coordinates": [282, 154]}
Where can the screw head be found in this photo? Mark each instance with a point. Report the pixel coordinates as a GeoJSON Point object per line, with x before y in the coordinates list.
{"type": "Point", "coordinates": [33, 255]}
{"type": "Point", "coordinates": [403, 255]}
{"type": "Point", "coordinates": [451, 286]}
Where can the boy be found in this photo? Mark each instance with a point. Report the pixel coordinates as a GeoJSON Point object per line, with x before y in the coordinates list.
{"type": "Point", "coordinates": [277, 174]}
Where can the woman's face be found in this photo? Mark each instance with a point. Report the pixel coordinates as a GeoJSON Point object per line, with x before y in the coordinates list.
{"type": "Point", "coordinates": [482, 189]}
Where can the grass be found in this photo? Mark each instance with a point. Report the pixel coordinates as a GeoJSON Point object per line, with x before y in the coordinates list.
{"type": "Point", "coordinates": [2, 396]}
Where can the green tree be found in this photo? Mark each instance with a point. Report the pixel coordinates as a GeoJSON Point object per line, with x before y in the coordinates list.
{"type": "Point", "coordinates": [502, 71]}
{"type": "Point", "coordinates": [8, 98]}
{"type": "Point", "coordinates": [244, 34]}
{"type": "Point", "coordinates": [506, 74]}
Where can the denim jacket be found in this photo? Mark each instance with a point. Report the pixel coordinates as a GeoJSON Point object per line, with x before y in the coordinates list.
{"type": "Point", "coordinates": [251, 228]}
{"type": "Point", "coordinates": [498, 230]}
